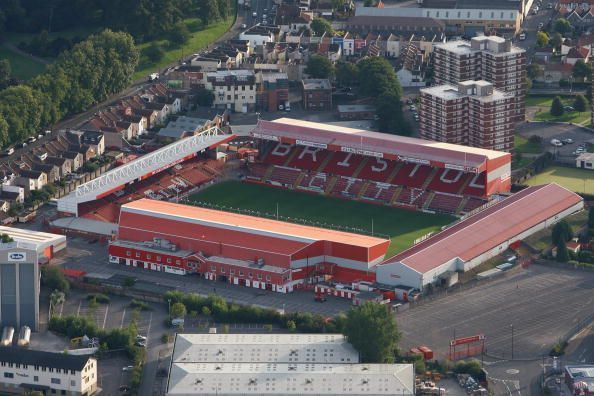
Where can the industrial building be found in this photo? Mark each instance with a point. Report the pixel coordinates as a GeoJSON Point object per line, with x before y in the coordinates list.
{"type": "Point", "coordinates": [239, 249]}
{"type": "Point", "coordinates": [479, 237]}
{"type": "Point", "coordinates": [580, 378]}
{"type": "Point", "coordinates": [23, 371]}
{"type": "Point", "coordinates": [472, 113]}
{"type": "Point", "coordinates": [19, 286]}
{"type": "Point", "coordinates": [45, 244]}
{"type": "Point", "coordinates": [279, 364]}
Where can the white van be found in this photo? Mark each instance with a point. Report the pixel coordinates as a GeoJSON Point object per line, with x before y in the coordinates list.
{"type": "Point", "coordinates": [556, 142]}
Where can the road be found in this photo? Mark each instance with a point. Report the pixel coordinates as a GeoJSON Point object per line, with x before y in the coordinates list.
{"type": "Point", "coordinates": [530, 26]}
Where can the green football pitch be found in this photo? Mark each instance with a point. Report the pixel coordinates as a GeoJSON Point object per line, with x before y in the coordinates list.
{"type": "Point", "coordinates": [400, 225]}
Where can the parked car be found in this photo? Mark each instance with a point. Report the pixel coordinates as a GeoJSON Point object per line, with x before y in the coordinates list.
{"type": "Point", "coordinates": [567, 141]}
{"type": "Point", "coordinates": [522, 36]}
{"type": "Point", "coordinates": [9, 151]}
{"type": "Point", "coordinates": [128, 368]}
{"type": "Point", "coordinates": [556, 143]}
{"type": "Point", "coordinates": [540, 26]}
{"type": "Point", "coordinates": [141, 344]}
{"type": "Point", "coordinates": [31, 139]}
{"type": "Point", "coordinates": [550, 6]}
{"type": "Point", "coordinates": [568, 108]}
{"type": "Point", "coordinates": [243, 26]}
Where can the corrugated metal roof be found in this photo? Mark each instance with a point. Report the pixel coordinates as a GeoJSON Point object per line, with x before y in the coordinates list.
{"type": "Point", "coordinates": [489, 228]}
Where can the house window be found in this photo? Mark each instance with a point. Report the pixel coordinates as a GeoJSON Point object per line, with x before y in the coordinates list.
{"type": "Point", "coordinates": [56, 381]}
{"type": "Point", "coordinates": [250, 275]}
{"type": "Point", "coordinates": [228, 97]}
{"type": "Point", "coordinates": [159, 258]}
{"type": "Point", "coordinates": [128, 253]}
{"type": "Point", "coordinates": [148, 256]}
{"type": "Point", "coordinates": [35, 378]}
{"type": "Point", "coordinates": [8, 375]}
{"type": "Point", "coordinates": [178, 262]}
{"type": "Point", "coordinates": [232, 272]}
{"type": "Point", "coordinates": [72, 383]}
{"type": "Point", "coordinates": [259, 276]}
{"type": "Point", "coordinates": [137, 254]}
{"type": "Point", "coordinates": [268, 278]}
{"type": "Point", "coordinates": [240, 273]}
{"type": "Point", "coordinates": [169, 261]}
{"type": "Point", "coordinates": [222, 270]}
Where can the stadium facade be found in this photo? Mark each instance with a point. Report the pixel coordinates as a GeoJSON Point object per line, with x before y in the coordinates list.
{"type": "Point", "coordinates": [240, 249]}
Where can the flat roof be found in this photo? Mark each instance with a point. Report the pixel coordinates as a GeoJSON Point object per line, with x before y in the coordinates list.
{"type": "Point", "coordinates": [291, 379]}
{"type": "Point", "coordinates": [354, 108]}
{"type": "Point", "coordinates": [33, 239]}
{"type": "Point", "coordinates": [316, 83]}
{"type": "Point", "coordinates": [585, 157]}
{"type": "Point", "coordinates": [375, 141]}
{"type": "Point", "coordinates": [86, 225]}
{"type": "Point", "coordinates": [252, 348]}
{"type": "Point", "coordinates": [240, 222]}
{"type": "Point", "coordinates": [485, 230]}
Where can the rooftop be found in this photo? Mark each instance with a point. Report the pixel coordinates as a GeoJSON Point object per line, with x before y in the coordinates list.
{"type": "Point", "coordinates": [362, 140]}
{"type": "Point", "coordinates": [354, 108]}
{"type": "Point", "coordinates": [586, 157]}
{"type": "Point", "coordinates": [32, 239]}
{"type": "Point", "coordinates": [44, 359]}
{"type": "Point", "coordinates": [485, 230]}
{"type": "Point", "coordinates": [317, 83]}
{"type": "Point", "coordinates": [272, 348]}
{"type": "Point", "coordinates": [291, 379]}
{"type": "Point", "coordinates": [235, 221]}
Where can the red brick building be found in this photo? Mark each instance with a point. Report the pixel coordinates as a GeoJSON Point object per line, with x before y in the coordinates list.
{"type": "Point", "coordinates": [489, 58]}
{"type": "Point", "coordinates": [273, 91]}
{"type": "Point", "coordinates": [317, 94]}
{"type": "Point", "coordinates": [471, 113]}
{"type": "Point", "coordinates": [239, 249]}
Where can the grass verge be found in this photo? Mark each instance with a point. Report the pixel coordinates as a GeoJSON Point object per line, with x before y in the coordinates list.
{"type": "Point", "coordinates": [577, 180]}
{"type": "Point", "coordinates": [22, 67]}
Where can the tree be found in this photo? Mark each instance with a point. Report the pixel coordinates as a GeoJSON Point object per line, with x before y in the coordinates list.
{"type": "Point", "coordinates": [154, 52]}
{"type": "Point", "coordinates": [562, 26]}
{"type": "Point", "coordinates": [562, 252]}
{"type": "Point", "coordinates": [379, 77]}
{"type": "Point", "coordinates": [591, 217]}
{"type": "Point", "coordinates": [204, 97]}
{"type": "Point", "coordinates": [581, 70]}
{"type": "Point", "coordinates": [557, 109]}
{"type": "Point", "coordinates": [390, 116]}
{"type": "Point", "coordinates": [178, 310]}
{"type": "Point", "coordinates": [319, 66]}
{"type": "Point", "coordinates": [4, 72]}
{"type": "Point", "coordinates": [580, 103]}
{"type": "Point", "coordinates": [346, 74]}
{"type": "Point", "coordinates": [53, 278]}
{"type": "Point", "coordinates": [372, 330]}
{"type": "Point", "coordinates": [556, 40]}
{"type": "Point", "coordinates": [542, 39]}
{"type": "Point", "coordinates": [562, 232]}
{"type": "Point", "coordinates": [533, 70]}
{"type": "Point", "coordinates": [180, 34]}
{"type": "Point", "coordinates": [320, 26]}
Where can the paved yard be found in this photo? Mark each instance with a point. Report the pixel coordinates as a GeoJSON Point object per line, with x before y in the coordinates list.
{"type": "Point", "coordinates": [541, 303]}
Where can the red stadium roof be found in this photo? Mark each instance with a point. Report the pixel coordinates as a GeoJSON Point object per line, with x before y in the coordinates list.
{"type": "Point", "coordinates": [374, 141]}
{"type": "Point", "coordinates": [256, 225]}
{"type": "Point", "coordinates": [489, 228]}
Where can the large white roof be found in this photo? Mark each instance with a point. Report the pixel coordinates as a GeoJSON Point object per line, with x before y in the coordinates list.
{"type": "Point", "coordinates": [35, 240]}
{"type": "Point", "coordinates": [290, 379]}
{"type": "Point", "coordinates": [271, 348]}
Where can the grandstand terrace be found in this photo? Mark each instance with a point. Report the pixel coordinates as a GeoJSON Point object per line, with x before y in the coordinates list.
{"type": "Point", "coordinates": [376, 167]}
{"type": "Point", "coordinates": [170, 184]}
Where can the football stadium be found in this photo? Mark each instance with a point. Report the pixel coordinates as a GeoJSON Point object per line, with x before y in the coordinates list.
{"type": "Point", "coordinates": [314, 204]}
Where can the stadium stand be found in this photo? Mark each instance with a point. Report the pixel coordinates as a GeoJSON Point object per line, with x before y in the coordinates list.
{"type": "Point", "coordinates": [387, 169]}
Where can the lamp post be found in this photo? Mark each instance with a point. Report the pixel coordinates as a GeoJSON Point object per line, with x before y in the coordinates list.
{"type": "Point", "coordinates": [169, 308]}
{"type": "Point", "coordinates": [512, 341]}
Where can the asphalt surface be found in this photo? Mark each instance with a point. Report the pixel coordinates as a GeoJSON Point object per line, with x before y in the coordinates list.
{"type": "Point", "coordinates": [548, 131]}
{"type": "Point", "coordinates": [530, 26]}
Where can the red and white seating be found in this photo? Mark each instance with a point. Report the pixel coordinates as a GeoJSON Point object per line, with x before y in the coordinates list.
{"type": "Point", "coordinates": [343, 164]}
{"type": "Point", "coordinates": [309, 158]}
{"type": "Point", "coordinates": [279, 154]}
{"type": "Point", "coordinates": [347, 186]}
{"type": "Point", "coordinates": [476, 186]}
{"type": "Point", "coordinates": [412, 175]}
{"type": "Point", "coordinates": [284, 176]}
{"type": "Point", "coordinates": [377, 169]}
{"type": "Point", "coordinates": [448, 181]}
{"type": "Point", "coordinates": [314, 181]}
{"type": "Point", "coordinates": [257, 171]}
{"type": "Point", "coordinates": [445, 203]}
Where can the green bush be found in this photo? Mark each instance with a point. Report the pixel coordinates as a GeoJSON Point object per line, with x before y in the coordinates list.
{"type": "Point", "coordinates": [53, 278]}
{"type": "Point", "coordinates": [98, 297]}
{"type": "Point", "coordinates": [472, 367]}
{"type": "Point", "coordinates": [137, 304]}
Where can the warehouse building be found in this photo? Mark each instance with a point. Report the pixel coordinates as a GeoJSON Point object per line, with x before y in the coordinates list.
{"type": "Point", "coordinates": [279, 364]}
{"type": "Point", "coordinates": [479, 237]}
{"type": "Point", "coordinates": [45, 244]}
{"type": "Point", "coordinates": [19, 286]}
